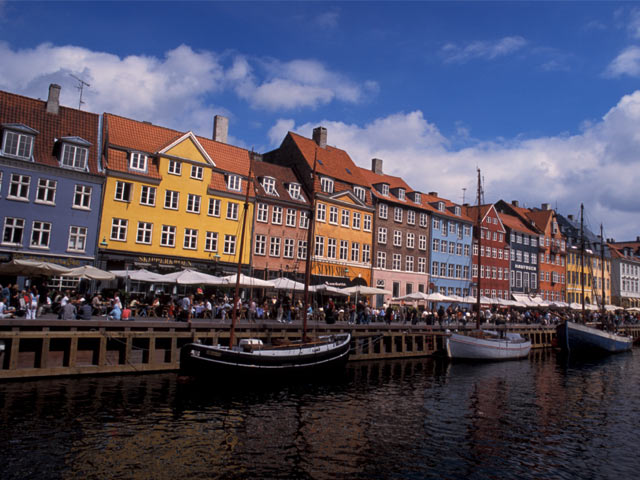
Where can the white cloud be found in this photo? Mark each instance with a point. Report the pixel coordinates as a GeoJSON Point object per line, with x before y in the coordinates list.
{"type": "Point", "coordinates": [328, 19]}
{"type": "Point", "coordinates": [482, 49]}
{"type": "Point", "coordinates": [598, 166]}
{"type": "Point", "coordinates": [626, 63]}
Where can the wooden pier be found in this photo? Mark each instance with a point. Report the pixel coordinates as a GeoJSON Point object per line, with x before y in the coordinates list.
{"type": "Point", "coordinates": [43, 348]}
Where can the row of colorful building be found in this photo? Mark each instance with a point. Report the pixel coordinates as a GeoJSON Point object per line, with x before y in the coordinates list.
{"type": "Point", "coordinates": [81, 188]}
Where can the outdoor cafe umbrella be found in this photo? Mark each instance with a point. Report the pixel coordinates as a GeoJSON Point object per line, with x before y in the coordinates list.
{"type": "Point", "coordinates": [364, 290]}
{"type": "Point", "coordinates": [324, 288]}
{"type": "Point", "coordinates": [414, 296]}
{"type": "Point", "coordinates": [245, 281]}
{"type": "Point", "coordinates": [140, 275]}
{"type": "Point", "coordinates": [27, 268]}
{"type": "Point", "coordinates": [438, 297]}
{"type": "Point", "coordinates": [284, 283]}
{"type": "Point", "coordinates": [191, 277]}
{"type": "Point", "coordinates": [88, 272]}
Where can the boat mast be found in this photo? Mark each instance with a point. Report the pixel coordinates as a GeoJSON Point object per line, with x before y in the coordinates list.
{"type": "Point", "coordinates": [479, 228]}
{"type": "Point", "coordinates": [310, 247]}
{"type": "Point", "coordinates": [236, 296]}
{"type": "Point", "coordinates": [582, 274]}
{"type": "Point", "coordinates": [602, 266]}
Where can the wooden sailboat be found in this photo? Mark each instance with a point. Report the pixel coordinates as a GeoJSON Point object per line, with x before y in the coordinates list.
{"type": "Point", "coordinates": [252, 357]}
{"type": "Point", "coordinates": [482, 344]}
{"type": "Point", "coordinates": [580, 339]}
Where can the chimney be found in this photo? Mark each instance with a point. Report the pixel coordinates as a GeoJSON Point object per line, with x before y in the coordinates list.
{"type": "Point", "coordinates": [570, 217]}
{"type": "Point", "coordinates": [220, 128]}
{"type": "Point", "coordinates": [545, 206]}
{"type": "Point", "coordinates": [376, 165]}
{"type": "Point", "coordinates": [53, 102]}
{"type": "Point", "coordinates": [433, 194]}
{"type": "Point", "coordinates": [515, 203]}
{"type": "Point", "coordinates": [320, 136]}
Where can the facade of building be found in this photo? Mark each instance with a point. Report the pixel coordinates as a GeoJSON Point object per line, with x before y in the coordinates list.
{"type": "Point", "coordinates": [281, 223]}
{"type": "Point", "coordinates": [172, 199]}
{"type": "Point", "coordinates": [50, 182]}
{"type": "Point", "coordinates": [343, 218]}
{"type": "Point", "coordinates": [400, 234]}
{"type": "Point", "coordinates": [523, 253]}
{"type": "Point", "coordinates": [625, 273]}
{"type": "Point", "coordinates": [490, 254]}
{"type": "Point", "coordinates": [451, 239]}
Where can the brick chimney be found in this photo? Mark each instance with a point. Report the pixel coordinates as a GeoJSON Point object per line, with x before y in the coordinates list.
{"type": "Point", "coordinates": [376, 165]}
{"type": "Point", "coordinates": [433, 194]}
{"type": "Point", "coordinates": [545, 206]}
{"type": "Point", "coordinates": [53, 102]}
{"type": "Point", "coordinates": [220, 128]}
{"type": "Point", "coordinates": [570, 217]}
{"type": "Point", "coordinates": [320, 136]}
{"type": "Point", "coordinates": [515, 203]}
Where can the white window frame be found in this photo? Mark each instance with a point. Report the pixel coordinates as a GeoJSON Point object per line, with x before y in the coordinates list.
{"type": "Point", "coordinates": [18, 181]}
{"type": "Point", "coordinates": [40, 234]}
{"type": "Point", "coordinates": [288, 248]}
{"type": "Point", "coordinates": [411, 217]}
{"type": "Point", "coordinates": [274, 246]}
{"type": "Point", "coordinates": [229, 244]}
{"type": "Point", "coordinates": [138, 162]}
{"type": "Point", "coordinates": [345, 217]}
{"type": "Point", "coordinates": [174, 168]}
{"type": "Point", "coordinates": [381, 260]}
{"type": "Point", "coordinates": [343, 252]}
{"type": "Point", "coordinates": [355, 220]}
{"type": "Point", "coordinates": [385, 189]}
{"type": "Point", "coordinates": [233, 210]}
{"type": "Point", "coordinates": [123, 191]}
{"type": "Point", "coordinates": [168, 236]}
{"type": "Point", "coordinates": [193, 203]}
{"type": "Point", "coordinates": [332, 247]}
{"type": "Point", "coordinates": [262, 213]}
{"type": "Point", "coordinates": [397, 238]}
{"type": "Point", "coordinates": [197, 172]}
{"type": "Point", "coordinates": [49, 187]}
{"type": "Point", "coordinates": [333, 215]}
{"type": "Point", "coordinates": [321, 212]}
{"type": "Point", "coordinates": [366, 223]}
{"type": "Point", "coordinates": [74, 156]}
{"type": "Point", "coordinates": [276, 215]}
{"type": "Point", "coordinates": [294, 191]}
{"type": "Point", "coordinates": [82, 193]}
{"type": "Point", "coordinates": [214, 207]}
{"type": "Point", "coordinates": [22, 143]}
{"type": "Point", "coordinates": [77, 235]}
{"type": "Point", "coordinates": [120, 227]}
{"type": "Point", "coordinates": [304, 219]}
{"type": "Point", "coordinates": [190, 239]}
{"type": "Point", "coordinates": [383, 211]}
{"type": "Point", "coordinates": [397, 214]}
{"type": "Point", "coordinates": [172, 198]}
{"type": "Point", "coordinates": [234, 182]}
{"type": "Point", "coordinates": [146, 230]}
{"type": "Point", "coordinates": [366, 253]}
{"type": "Point", "coordinates": [326, 184]}
{"type": "Point", "coordinates": [360, 193]}
{"type": "Point", "coordinates": [292, 215]}
{"type": "Point", "coordinates": [148, 195]}
{"type": "Point", "coordinates": [382, 235]}
{"type": "Point", "coordinates": [211, 242]}
{"type": "Point", "coordinates": [260, 245]}
{"type": "Point", "coordinates": [269, 186]}
{"type": "Point", "coordinates": [302, 249]}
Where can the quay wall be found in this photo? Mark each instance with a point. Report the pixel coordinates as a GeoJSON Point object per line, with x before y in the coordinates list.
{"type": "Point", "coordinates": [44, 348]}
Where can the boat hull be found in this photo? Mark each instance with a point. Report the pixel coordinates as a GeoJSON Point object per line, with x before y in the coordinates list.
{"type": "Point", "coordinates": [463, 347]}
{"type": "Point", "coordinates": [330, 354]}
{"type": "Point", "coordinates": [581, 339]}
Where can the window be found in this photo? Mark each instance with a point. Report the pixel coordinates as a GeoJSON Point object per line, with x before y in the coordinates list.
{"type": "Point", "coordinates": [332, 244]}
{"type": "Point", "coordinates": [333, 215]}
{"type": "Point", "coordinates": [457, 210]}
{"type": "Point", "coordinates": [171, 199]}
{"type": "Point", "coordinates": [443, 246]}
{"type": "Point", "coordinates": [366, 253]}
{"type": "Point", "coordinates": [291, 217]}
{"type": "Point", "coordinates": [232, 211]}
{"type": "Point", "coordinates": [423, 219]}
{"type": "Point", "coordinates": [434, 269]}
{"type": "Point", "coordinates": [344, 250]}
{"type": "Point", "coordinates": [355, 252]}
{"type": "Point", "coordinates": [417, 198]}
{"type": "Point", "coordinates": [422, 265]}
{"type": "Point", "coordinates": [411, 217]}
{"type": "Point", "coordinates": [422, 242]}
{"type": "Point", "coordinates": [119, 229]}
{"type": "Point", "coordinates": [408, 263]}
{"type": "Point", "coordinates": [321, 212]}
{"type": "Point", "coordinates": [262, 213]}
{"type": "Point", "coordinates": [436, 245]}
{"type": "Point", "coordinates": [138, 161]}
{"type": "Point", "coordinates": [74, 156]}
{"type": "Point", "coordinates": [466, 250]}
{"type": "Point", "coordinates": [148, 195]}
{"type": "Point", "coordinates": [276, 215]}
{"type": "Point", "coordinates": [319, 246]}
{"type": "Point", "coordinates": [304, 219]}
{"type": "Point", "coordinates": [382, 235]}
{"type": "Point", "coordinates": [359, 192]}
{"type": "Point", "coordinates": [46, 192]}
{"type": "Point", "coordinates": [168, 237]}
{"type": "Point", "coordinates": [260, 247]}
{"type": "Point", "coordinates": [452, 248]}
{"type": "Point", "coordinates": [287, 251]}
{"type": "Point", "coordinates": [381, 260]}
{"type": "Point", "coordinates": [19, 187]}
{"type": "Point", "coordinates": [214, 207]}
{"type": "Point", "coordinates": [175, 167]}
{"type": "Point", "coordinates": [40, 234]}
{"type": "Point", "coordinates": [211, 242]}
{"type": "Point", "coordinates": [234, 182]}
{"type": "Point", "coordinates": [385, 189]}
{"type": "Point", "coordinates": [197, 172]}
{"type": "Point", "coordinates": [397, 214]}
{"type": "Point", "coordinates": [355, 220]}
{"type": "Point", "coordinates": [441, 206]}
{"type": "Point", "coordinates": [436, 224]}
{"type": "Point", "coordinates": [326, 185]}
{"type": "Point", "coordinates": [123, 191]}
{"type": "Point", "coordinates": [397, 238]}
{"type": "Point", "coordinates": [294, 191]}
{"type": "Point", "coordinates": [145, 230]}
{"type": "Point", "coordinates": [302, 249]}
{"type": "Point", "coordinates": [383, 210]}
{"type": "Point", "coordinates": [458, 249]}
{"type": "Point", "coordinates": [396, 262]}
{"type": "Point", "coordinates": [345, 218]}
{"type": "Point", "coordinates": [77, 239]}
{"type": "Point", "coordinates": [193, 203]}
{"type": "Point", "coordinates": [366, 224]}
{"type": "Point", "coordinates": [274, 247]}
{"type": "Point", "coordinates": [401, 194]}
{"type": "Point", "coordinates": [269, 185]}
{"type": "Point", "coordinates": [411, 240]}
{"type": "Point", "coordinates": [18, 145]}
{"type": "Point", "coordinates": [190, 239]}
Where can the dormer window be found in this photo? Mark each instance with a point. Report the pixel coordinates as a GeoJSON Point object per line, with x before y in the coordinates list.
{"type": "Point", "coordinates": [75, 151]}
{"type": "Point", "coordinates": [138, 162]}
{"type": "Point", "coordinates": [18, 141]}
{"type": "Point", "coordinates": [385, 189]}
{"type": "Point", "coordinates": [269, 185]}
{"type": "Point", "coordinates": [326, 184]}
{"type": "Point", "coordinates": [457, 210]}
{"type": "Point", "coordinates": [359, 192]}
{"type": "Point", "coordinates": [417, 198]}
{"type": "Point", "coordinates": [294, 191]}
{"type": "Point", "coordinates": [234, 182]}
{"type": "Point", "coordinates": [401, 194]}
{"type": "Point", "coordinates": [441, 206]}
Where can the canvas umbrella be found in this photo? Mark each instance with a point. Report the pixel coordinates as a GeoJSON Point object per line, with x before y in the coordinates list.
{"type": "Point", "coordinates": [192, 277]}
{"type": "Point", "coordinates": [245, 281]}
{"type": "Point", "coordinates": [438, 297]}
{"type": "Point", "coordinates": [25, 267]}
{"type": "Point", "coordinates": [286, 284]}
{"type": "Point", "coordinates": [140, 275]}
{"type": "Point", "coordinates": [90, 273]}
{"type": "Point", "coordinates": [414, 296]}
{"type": "Point", "coordinates": [364, 290]}
{"type": "Point", "coordinates": [324, 288]}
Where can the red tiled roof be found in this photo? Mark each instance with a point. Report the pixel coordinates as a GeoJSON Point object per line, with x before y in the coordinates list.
{"type": "Point", "coordinates": [69, 122]}
{"type": "Point", "coordinates": [515, 223]}
{"type": "Point", "coordinates": [119, 162]}
{"type": "Point", "coordinates": [282, 176]}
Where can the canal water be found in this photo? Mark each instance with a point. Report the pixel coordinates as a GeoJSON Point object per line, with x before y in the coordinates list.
{"type": "Point", "coordinates": [542, 418]}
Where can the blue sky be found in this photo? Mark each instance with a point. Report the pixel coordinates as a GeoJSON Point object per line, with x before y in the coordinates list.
{"type": "Point", "coordinates": [541, 96]}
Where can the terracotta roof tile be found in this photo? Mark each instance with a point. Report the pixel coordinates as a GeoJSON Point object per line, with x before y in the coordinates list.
{"type": "Point", "coordinates": [282, 176]}
{"type": "Point", "coordinates": [69, 122]}
{"type": "Point", "coordinates": [515, 223]}
{"type": "Point", "coordinates": [119, 162]}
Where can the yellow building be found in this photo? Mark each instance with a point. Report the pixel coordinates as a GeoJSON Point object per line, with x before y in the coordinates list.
{"type": "Point", "coordinates": [593, 278]}
{"type": "Point", "coordinates": [172, 199]}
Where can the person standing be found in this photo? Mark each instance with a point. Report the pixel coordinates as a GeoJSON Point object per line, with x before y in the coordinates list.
{"type": "Point", "coordinates": [32, 305]}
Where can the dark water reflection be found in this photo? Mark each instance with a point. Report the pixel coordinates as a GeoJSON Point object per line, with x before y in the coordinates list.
{"type": "Point", "coordinates": [538, 418]}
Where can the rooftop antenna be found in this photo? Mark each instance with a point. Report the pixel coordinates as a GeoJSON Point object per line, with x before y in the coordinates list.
{"type": "Point", "coordinates": [80, 87]}
{"type": "Point", "coordinates": [464, 191]}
